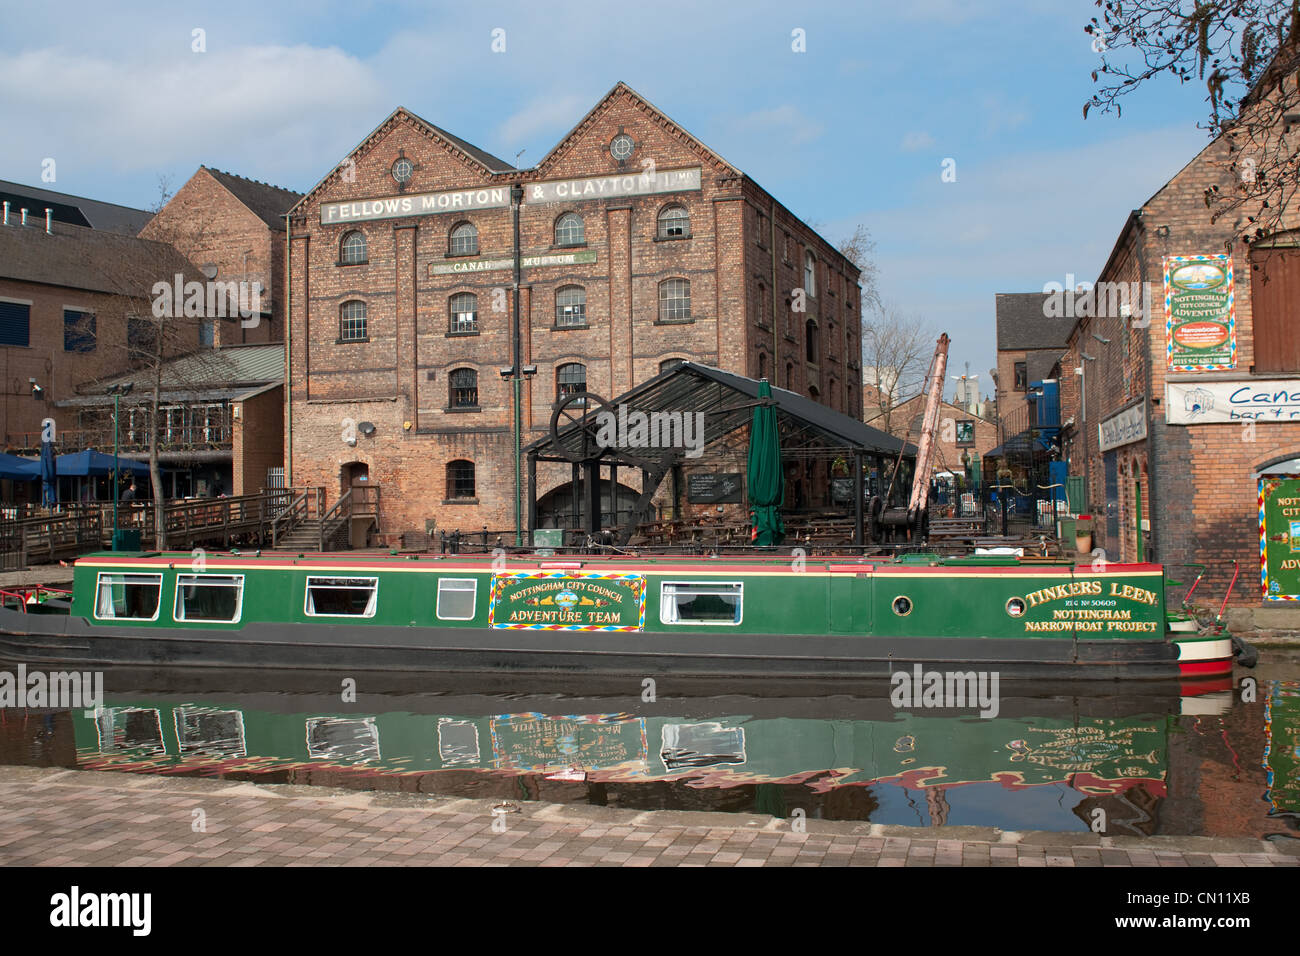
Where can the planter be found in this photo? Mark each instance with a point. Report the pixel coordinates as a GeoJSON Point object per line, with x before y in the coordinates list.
{"type": "Point", "coordinates": [1083, 542]}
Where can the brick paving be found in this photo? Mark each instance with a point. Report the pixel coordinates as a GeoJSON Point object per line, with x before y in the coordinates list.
{"type": "Point", "coordinates": [88, 818]}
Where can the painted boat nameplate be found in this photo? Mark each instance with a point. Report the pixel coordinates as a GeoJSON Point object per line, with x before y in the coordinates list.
{"type": "Point", "coordinates": [567, 601]}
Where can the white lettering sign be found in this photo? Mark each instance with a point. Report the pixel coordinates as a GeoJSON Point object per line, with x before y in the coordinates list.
{"type": "Point", "coordinates": [525, 262]}
{"type": "Point", "coordinates": [605, 187]}
{"type": "Point", "coordinates": [1123, 427]}
{"type": "Point", "coordinates": [1208, 403]}
{"type": "Point", "coordinates": [424, 204]}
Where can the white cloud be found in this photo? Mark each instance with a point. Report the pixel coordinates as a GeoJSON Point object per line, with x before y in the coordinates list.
{"type": "Point", "coordinates": [916, 141]}
{"type": "Point", "coordinates": [785, 124]}
{"type": "Point", "coordinates": [143, 114]}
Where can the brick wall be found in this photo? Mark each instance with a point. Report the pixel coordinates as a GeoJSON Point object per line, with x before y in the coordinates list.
{"type": "Point", "coordinates": [258, 442]}
{"type": "Point", "coordinates": [399, 377]}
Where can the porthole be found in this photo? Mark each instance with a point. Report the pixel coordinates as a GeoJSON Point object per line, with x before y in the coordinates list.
{"type": "Point", "coordinates": [402, 169]}
{"type": "Point", "coordinates": [1015, 607]}
{"type": "Point", "coordinates": [902, 606]}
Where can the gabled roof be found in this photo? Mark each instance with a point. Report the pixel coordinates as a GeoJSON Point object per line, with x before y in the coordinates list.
{"type": "Point", "coordinates": [655, 114]}
{"type": "Point", "coordinates": [490, 163]}
{"type": "Point", "coordinates": [75, 257]}
{"type": "Point", "coordinates": [1023, 323]}
{"type": "Point", "coordinates": [269, 203]}
{"type": "Point", "coordinates": [727, 401]}
{"type": "Point", "coordinates": [73, 210]}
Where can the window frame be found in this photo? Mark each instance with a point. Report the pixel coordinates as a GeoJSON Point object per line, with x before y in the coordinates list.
{"type": "Point", "coordinates": [25, 304]}
{"type": "Point", "coordinates": [196, 580]}
{"type": "Point", "coordinates": [740, 606]}
{"type": "Point", "coordinates": [582, 231]}
{"type": "Point", "coordinates": [365, 248]}
{"type": "Point", "coordinates": [99, 584]}
{"type": "Point", "coordinates": [372, 606]}
{"type": "Point", "coordinates": [1020, 376]}
{"type": "Point", "coordinates": [660, 220]}
{"type": "Point", "coordinates": [452, 388]}
{"type": "Point", "coordinates": [452, 326]}
{"type": "Point", "coordinates": [343, 320]}
{"type": "Point", "coordinates": [91, 332]}
{"type": "Point", "coordinates": [560, 394]}
{"type": "Point", "coordinates": [451, 481]}
{"type": "Point", "coordinates": [438, 602]}
{"type": "Point", "coordinates": [678, 320]}
{"type": "Point", "coordinates": [571, 287]}
{"type": "Point", "coordinates": [451, 239]}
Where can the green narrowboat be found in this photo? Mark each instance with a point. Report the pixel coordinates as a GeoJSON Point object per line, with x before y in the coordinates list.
{"type": "Point", "coordinates": [773, 616]}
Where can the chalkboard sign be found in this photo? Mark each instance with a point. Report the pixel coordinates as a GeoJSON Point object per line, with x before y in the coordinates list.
{"type": "Point", "coordinates": [712, 487]}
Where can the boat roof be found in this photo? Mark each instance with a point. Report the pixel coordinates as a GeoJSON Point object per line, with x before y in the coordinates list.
{"type": "Point", "coordinates": [337, 561]}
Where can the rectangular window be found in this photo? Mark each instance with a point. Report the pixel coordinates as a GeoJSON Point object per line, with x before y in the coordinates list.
{"type": "Point", "coordinates": [681, 603]}
{"type": "Point", "coordinates": [456, 598]}
{"type": "Point", "coordinates": [342, 597]}
{"type": "Point", "coordinates": [15, 323]}
{"type": "Point", "coordinates": [1022, 377]}
{"type": "Point", "coordinates": [209, 597]}
{"type": "Point", "coordinates": [78, 331]}
{"type": "Point", "coordinates": [207, 333]}
{"type": "Point", "coordinates": [127, 597]}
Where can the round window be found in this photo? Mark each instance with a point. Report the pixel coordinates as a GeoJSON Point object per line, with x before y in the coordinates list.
{"type": "Point", "coordinates": [621, 147]}
{"type": "Point", "coordinates": [402, 169]}
{"type": "Point", "coordinates": [1015, 607]}
{"type": "Point", "coordinates": [902, 606]}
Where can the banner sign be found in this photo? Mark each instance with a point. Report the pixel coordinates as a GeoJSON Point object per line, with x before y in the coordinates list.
{"type": "Point", "coordinates": [1279, 537]}
{"type": "Point", "coordinates": [567, 601]}
{"type": "Point", "coordinates": [1208, 403]}
{"type": "Point", "coordinates": [498, 197]}
{"type": "Point", "coordinates": [525, 262]}
{"type": "Point", "coordinates": [1200, 313]}
{"type": "Point", "coordinates": [1123, 427]}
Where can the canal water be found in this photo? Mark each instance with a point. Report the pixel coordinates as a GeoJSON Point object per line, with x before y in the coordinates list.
{"type": "Point", "coordinates": [1219, 761]}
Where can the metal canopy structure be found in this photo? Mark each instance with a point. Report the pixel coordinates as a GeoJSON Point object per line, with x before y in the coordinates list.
{"type": "Point", "coordinates": [808, 430]}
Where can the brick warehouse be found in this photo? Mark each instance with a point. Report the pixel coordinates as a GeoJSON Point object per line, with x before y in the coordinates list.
{"type": "Point", "coordinates": [1172, 466]}
{"type": "Point", "coordinates": [640, 247]}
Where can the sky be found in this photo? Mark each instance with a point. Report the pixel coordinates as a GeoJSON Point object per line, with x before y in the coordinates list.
{"type": "Point", "coordinates": [856, 128]}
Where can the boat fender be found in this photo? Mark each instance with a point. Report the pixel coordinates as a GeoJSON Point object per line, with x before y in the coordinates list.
{"type": "Point", "coordinates": [1244, 654]}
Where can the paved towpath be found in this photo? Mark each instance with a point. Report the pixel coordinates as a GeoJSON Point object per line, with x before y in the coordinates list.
{"type": "Point", "coordinates": [55, 817]}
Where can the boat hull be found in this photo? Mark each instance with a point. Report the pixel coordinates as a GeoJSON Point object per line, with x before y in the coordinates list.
{"type": "Point", "coordinates": [70, 640]}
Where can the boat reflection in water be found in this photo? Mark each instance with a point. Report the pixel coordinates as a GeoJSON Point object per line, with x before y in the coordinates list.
{"type": "Point", "coordinates": [1057, 762]}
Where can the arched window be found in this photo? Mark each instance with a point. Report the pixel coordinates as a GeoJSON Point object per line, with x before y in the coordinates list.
{"type": "Point", "coordinates": [463, 308]}
{"type": "Point", "coordinates": [789, 376]}
{"type": "Point", "coordinates": [570, 380]}
{"type": "Point", "coordinates": [569, 230]}
{"type": "Point", "coordinates": [352, 250]}
{"type": "Point", "coordinates": [810, 340]}
{"type": "Point", "coordinates": [463, 385]}
{"type": "Point", "coordinates": [666, 364]}
{"type": "Point", "coordinates": [570, 307]}
{"type": "Point", "coordinates": [762, 365]}
{"type": "Point", "coordinates": [460, 479]}
{"type": "Point", "coordinates": [810, 275]}
{"type": "Point", "coordinates": [832, 395]}
{"type": "Point", "coordinates": [352, 322]}
{"type": "Point", "coordinates": [674, 222]}
{"type": "Point", "coordinates": [675, 300]}
{"type": "Point", "coordinates": [463, 240]}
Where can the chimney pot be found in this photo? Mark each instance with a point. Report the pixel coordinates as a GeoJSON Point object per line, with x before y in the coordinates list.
{"type": "Point", "coordinates": [24, 217]}
{"type": "Point", "coordinates": [48, 214]}
{"type": "Point", "coordinates": [6, 212]}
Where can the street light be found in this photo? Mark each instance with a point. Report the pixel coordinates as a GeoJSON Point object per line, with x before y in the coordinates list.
{"type": "Point", "coordinates": [117, 391]}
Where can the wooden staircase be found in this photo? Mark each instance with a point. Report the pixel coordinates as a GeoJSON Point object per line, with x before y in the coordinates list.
{"type": "Point", "coordinates": [306, 524]}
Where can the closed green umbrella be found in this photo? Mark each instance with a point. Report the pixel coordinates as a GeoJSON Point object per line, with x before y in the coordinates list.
{"type": "Point", "coordinates": [766, 479]}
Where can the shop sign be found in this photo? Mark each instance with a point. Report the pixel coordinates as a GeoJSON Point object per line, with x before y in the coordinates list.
{"type": "Point", "coordinates": [567, 601]}
{"type": "Point", "coordinates": [1200, 313]}
{"type": "Point", "coordinates": [1210, 403]}
{"type": "Point", "coordinates": [1279, 537]}
{"type": "Point", "coordinates": [1124, 427]}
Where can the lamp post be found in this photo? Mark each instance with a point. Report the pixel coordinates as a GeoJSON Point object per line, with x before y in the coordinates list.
{"type": "Point", "coordinates": [117, 391]}
{"type": "Point", "coordinates": [516, 199]}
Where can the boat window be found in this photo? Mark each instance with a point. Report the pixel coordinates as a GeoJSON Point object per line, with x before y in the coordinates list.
{"type": "Point", "coordinates": [456, 597]}
{"type": "Point", "coordinates": [129, 597]}
{"type": "Point", "coordinates": [681, 603]}
{"type": "Point", "coordinates": [342, 597]}
{"type": "Point", "coordinates": [209, 597]}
